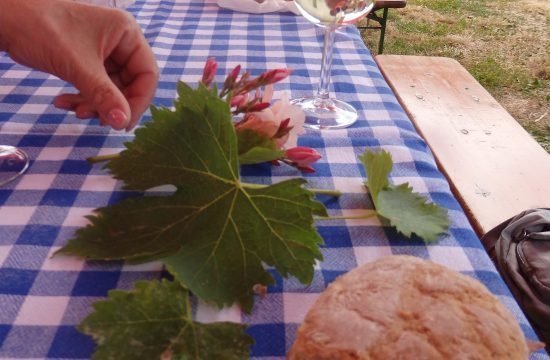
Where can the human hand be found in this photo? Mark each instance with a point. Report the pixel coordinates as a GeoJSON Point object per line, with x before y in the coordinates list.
{"type": "Point", "coordinates": [101, 51]}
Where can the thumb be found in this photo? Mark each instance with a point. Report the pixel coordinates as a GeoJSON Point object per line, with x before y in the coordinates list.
{"type": "Point", "coordinates": [106, 98]}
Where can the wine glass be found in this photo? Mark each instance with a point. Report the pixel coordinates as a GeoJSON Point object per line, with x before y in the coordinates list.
{"type": "Point", "coordinates": [322, 111]}
{"type": "Point", "coordinates": [13, 163]}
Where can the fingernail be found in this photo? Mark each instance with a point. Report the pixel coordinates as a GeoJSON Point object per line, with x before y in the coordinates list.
{"type": "Point", "coordinates": [117, 118]}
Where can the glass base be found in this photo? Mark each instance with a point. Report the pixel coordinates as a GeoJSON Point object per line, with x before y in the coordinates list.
{"type": "Point", "coordinates": [326, 114]}
{"type": "Point", "coordinates": [13, 163]}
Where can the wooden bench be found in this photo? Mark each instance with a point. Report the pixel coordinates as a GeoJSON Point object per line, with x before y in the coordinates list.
{"type": "Point", "coordinates": [495, 168]}
{"type": "Point", "coordinates": [384, 6]}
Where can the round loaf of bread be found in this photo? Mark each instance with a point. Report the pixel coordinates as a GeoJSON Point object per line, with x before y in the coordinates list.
{"type": "Point", "coordinates": [402, 307]}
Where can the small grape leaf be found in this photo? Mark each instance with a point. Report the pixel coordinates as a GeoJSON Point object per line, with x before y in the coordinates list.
{"type": "Point", "coordinates": [153, 321]}
{"type": "Point", "coordinates": [407, 211]}
{"type": "Point", "coordinates": [411, 213]}
{"type": "Point", "coordinates": [214, 232]}
{"type": "Point", "coordinates": [378, 166]}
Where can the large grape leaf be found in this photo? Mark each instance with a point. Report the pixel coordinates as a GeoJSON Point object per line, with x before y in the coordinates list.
{"type": "Point", "coordinates": [215, 233]}
{"type": "Point", "coordinates": [153, 321]}
{"type": "Point", "coordinates": [407, 211]}
{"type": "Point", "coordinates": [255, 148]}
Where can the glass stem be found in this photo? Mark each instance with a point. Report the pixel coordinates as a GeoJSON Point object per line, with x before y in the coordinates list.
{"type": "Point", "coordinates": [323, 98]}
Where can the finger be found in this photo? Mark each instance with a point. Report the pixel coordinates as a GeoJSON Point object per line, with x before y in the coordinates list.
{"type": "Point", "coordinates": [111, 66]}
{"type": "Point", "coordinates": [86, 111]}
{"type": "Point", "coordinates": [139, 73]}
{"type": "Point", "coordinates": [68, 101]}
{"type": "Point", "coordinates": [114, 71]}
{"type": "Point", "coordinates": [104, 97]}
{"type": "Point", "coordinates": [139, 98]}
{"type": "Point", "coordinates": [116, 79]}
{"type": "Point", "coordinates": [71, 101]}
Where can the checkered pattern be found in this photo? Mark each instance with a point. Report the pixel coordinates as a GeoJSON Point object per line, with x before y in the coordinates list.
{"type": "Point", "coordinates": [43, 298]}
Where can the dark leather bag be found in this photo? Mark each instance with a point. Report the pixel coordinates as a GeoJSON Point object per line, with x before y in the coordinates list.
{"type": "Point", "coordinates": [520, 248]}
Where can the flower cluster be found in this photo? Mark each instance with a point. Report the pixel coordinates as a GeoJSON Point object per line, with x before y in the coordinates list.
{"type": "Point", "coordinates": [266, 132]}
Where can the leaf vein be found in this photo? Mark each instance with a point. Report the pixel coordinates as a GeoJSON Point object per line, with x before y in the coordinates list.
{"type": "Point", "coordinates": [268, 224]}
{"type": "Point", "coordinates": [219, 239]}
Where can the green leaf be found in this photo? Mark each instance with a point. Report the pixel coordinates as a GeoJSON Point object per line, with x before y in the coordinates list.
{"type": "Point", "coordinates": [213, 232]}
{"type": "Point", "coordinates": [255, 148]}
{"type": "Point", "coordinates": [271, 225]}
{"type": "Point", "coordinates": [408, 212]}
{"type": "Point", "coordinates": [411, 213]}
{"type": "Point", "coordinates": [378, 166]}
{"type": "Point", "coordinates": [153, 321]}
{"type": "Point", "coordinates": [258, 155]}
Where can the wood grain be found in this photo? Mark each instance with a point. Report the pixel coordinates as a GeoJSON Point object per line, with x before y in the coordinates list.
{"type": "Point", "coordinates": [495, 168]}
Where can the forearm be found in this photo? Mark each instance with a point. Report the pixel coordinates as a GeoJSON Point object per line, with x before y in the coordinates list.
{"type": "Point", "coordinates": [24, 22]}
{"type": "Point", "coordinates": [5, 23]}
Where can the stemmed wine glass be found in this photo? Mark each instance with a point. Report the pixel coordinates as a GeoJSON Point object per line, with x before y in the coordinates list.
{"type": "Point", "coordinates": [322, 111]}
{"type": "Point", "coordinates": [13, 163]}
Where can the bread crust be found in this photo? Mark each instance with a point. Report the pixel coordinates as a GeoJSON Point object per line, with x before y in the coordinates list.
{"type": "Point", "coordinates": [403, 307]}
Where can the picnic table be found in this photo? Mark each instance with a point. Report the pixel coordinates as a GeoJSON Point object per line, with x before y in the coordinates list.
{"type": "Point", "coordinates": [43, 298]}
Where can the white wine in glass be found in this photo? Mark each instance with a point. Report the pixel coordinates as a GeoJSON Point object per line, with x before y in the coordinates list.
{"type": "Point", "coordinates": [322, 111]}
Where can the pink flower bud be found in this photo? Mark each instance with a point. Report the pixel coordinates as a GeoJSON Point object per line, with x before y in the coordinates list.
{"type": "Point", "coordinates": [231, 80]}
{"type": "Point", "coordinates": [302, 157]}
{"type": "Point", "coordinates": [234, 73]}
{"type": "Point", "coordinates": [273, 76]}
{"type": "Point", "coordinates": [258, 107]}
{"type": "Point", "coordinates": [209, 71]}
{"type": "Point", "coordinates": [267, 78]}
{"type": "Point", "coordinates": [283, 130]}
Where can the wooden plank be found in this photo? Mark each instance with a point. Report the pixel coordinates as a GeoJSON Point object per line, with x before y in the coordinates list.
{"type": "Point", "coordinates": [495, 168]}
{"type": "Point", "coordinates": [391, 4]}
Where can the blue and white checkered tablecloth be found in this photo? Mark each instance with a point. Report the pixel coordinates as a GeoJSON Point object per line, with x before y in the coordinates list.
{"type": "Point", "coordinates": [43, 298]}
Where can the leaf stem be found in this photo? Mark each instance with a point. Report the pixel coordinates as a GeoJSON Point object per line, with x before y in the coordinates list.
{"type": "Point", "coordinates": [329, 192]}
{"type": "Point", "coordinates": [101, 158]}
{"type": "Point", "coordinates": [370, 213]}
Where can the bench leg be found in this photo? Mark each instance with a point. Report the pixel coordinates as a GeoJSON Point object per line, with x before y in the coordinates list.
{"type": "Point", "coordinates": [383, 21]}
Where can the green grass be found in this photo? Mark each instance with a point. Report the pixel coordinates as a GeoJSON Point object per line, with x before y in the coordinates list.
{"type": "Point", "coordinates": [494, 76]}
{"type": "Point", "coordinates": [454, 7]}
{"type": "Point", "coordinates": [430, 47]}
{"type": "Point", "coordinates": [435, 29]}
{"type": "Point", "coordinates": [541, 135]}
